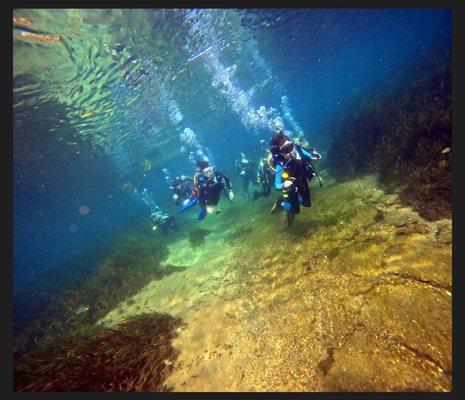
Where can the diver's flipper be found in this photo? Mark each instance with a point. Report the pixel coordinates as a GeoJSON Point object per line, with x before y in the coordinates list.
{"type": "Point", "coordinates": [276, 207]}
{"type": "Point", "coordinates": [290, 218]}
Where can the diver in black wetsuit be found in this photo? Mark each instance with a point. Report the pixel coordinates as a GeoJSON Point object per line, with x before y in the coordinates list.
{"type": "Point", "coordinates": [182, 187]}
{"type": "Point", "coordinates": [245, 169]}
{"type": "Point", "coordinates": [293, 171]}
{"type": "Point", "coordinates": [163, 221]}
{"type": "Point", "coordinates": [265, 176]}
{"type": "Point", "coordinates": [209, 184]}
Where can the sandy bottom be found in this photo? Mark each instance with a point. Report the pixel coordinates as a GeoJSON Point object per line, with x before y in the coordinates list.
{"type": "Point", "coordinates": [355, 296]}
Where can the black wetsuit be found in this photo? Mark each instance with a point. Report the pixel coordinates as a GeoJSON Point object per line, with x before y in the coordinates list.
{"type": "Point", "coordinates": [265, 176]}
{"type": "Point", "coordinates": [300, 172]}
{"type": "Point", "coordinates": [246, 171]}
{"type": "Point", "coordinates": [209, 189]}
{"type": "Point", "coordinates": [165, 222]}
{"type": "Point", "coordinates": [183, 188]}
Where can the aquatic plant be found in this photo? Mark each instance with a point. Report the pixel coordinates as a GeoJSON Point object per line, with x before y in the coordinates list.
{"type": "Point", "coordinates": [135, 356]}
{"type": "Point", "coordinates": [405, 136]}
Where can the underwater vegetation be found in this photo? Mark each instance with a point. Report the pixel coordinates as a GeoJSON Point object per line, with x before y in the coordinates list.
{"type": "Point", "coordinates": [405, 136]}
{"type": "Point", "coordinates": [135, 356]}
{"type": "Point", "coordinates": [133, 263]}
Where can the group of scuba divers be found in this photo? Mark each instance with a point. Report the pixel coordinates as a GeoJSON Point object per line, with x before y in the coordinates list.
{"type": "Point", "coordinates": [288, 167]}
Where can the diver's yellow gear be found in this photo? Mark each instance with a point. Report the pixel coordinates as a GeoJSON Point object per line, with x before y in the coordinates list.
{"type": "Point", "coordinates": [285, 175]}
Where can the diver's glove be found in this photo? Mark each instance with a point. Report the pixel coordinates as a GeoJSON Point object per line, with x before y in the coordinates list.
{"type": "Point", "coordinates": [230, 195]}
{"type": "Point", "coordinates": [316, 156]}
{"type": "Point", "coordinates": [287, 184]}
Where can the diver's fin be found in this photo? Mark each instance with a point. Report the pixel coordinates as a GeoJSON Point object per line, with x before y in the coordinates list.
{"type": "Point", "coordinates": [290, 218]}
{"type": "Point", "coordinates": [276, 206]}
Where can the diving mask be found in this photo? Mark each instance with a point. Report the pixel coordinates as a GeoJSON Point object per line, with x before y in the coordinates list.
{"type": "Point", "coordinates": [287, 147]}
{"type": "Point", "coordinates": [208, 172]}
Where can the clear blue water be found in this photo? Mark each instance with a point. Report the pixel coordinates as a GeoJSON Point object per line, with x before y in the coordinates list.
{"type": "Point", "coordinates": [102, 110]}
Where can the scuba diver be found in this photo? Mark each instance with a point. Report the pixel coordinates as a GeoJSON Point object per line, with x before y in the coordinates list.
{"type": "Point", "coordinates": [163, 221]}
{"type": "Point", "coordinates": [245, 169]}
{"type": "Point", "coordinates": [293, 169]}
{"type": "Point", "coordinates": [160, 219]}
{"type": "Point", "coordinates": [209, 184]}
{"type": "Point", "coordinates": [265, 176]}
{"type": "Point", "coordinates": [182, 187]}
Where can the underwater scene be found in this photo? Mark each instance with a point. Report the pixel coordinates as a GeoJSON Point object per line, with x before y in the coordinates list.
{"type": "Point", "coordinates": [232, 200]}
